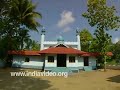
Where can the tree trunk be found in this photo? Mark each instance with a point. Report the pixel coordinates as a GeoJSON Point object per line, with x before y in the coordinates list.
{"type": "Point", "coordinates": [105, 64]}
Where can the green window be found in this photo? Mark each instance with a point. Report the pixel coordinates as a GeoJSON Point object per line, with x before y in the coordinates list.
{"type": "Point", "coordinates": [51, 59]}
{"type": "Point", "coordinates": [27, 59]}
{"type": "Point", "coordinates": [72, 59]}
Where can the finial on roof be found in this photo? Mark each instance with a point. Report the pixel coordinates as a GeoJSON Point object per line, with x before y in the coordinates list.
{"type": "Point", "coordinates": [43, 30]}
{"type": "Point", "coordinates": [43, 27]}
{"type": "Point", "coordinates": [77, 31]}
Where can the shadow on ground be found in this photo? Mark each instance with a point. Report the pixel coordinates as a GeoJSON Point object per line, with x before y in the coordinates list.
{"type": "Point", "coordinates": [114, 79]}
{"type": "Point", "coordinates": [22, 83]}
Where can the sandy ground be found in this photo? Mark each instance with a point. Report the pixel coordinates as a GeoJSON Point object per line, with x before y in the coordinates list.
{"type": "Point", "coordinates": [94, 80]}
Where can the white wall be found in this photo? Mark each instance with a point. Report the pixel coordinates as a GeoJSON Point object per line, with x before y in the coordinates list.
{"type": "Point", "coordinates": [69, 64]}
{"type": "Point", "coordinates": [35, 61]}
{"type": "Point", "coordinates": [38, 61]}
{"type": "Point", "coordinates": [92, 61]}
{"type": "Point", "coordinates": [50, 64]}
{"type": "Point", "coordinates": [80, 61]}
{"type": "Point", "coordinates": [47, 44]}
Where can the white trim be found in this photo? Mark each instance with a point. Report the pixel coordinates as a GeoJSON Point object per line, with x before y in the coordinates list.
{"type": "Point", "coordinates": [61, 44]}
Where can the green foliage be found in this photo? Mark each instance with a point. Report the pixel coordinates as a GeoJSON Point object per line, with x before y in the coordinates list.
{"type": "Point", "coordinates": [32, 45]}
{"type": "Point", "coordinates": [35, 45]}
{"type": "Point", "coordinates": [85, 38]}
{"type": "Point", "coordinates": [103, 41]}
{"type": "Point", "coordinates": [17, 17]}
{"type": "Point", "coordinates": [102, 18]}
{"type": "Point", "coordinates": [23, 11]}
{"type": "Point", "coordinates": [116, 51]}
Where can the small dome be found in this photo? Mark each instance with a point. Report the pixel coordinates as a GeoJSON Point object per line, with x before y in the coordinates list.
{"type": "Point", "coordinates": [60, 38]}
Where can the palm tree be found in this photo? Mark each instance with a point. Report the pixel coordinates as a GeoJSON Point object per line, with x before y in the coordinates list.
{"type": "Point", "coordinates": [23, 37]}
{"type": "Point", "coordinates": [23, 15]}
{"type": "Point", "coordinates": [4, 6]}
{"type": "Point", "coordinates": [23, 11]}
{"type": "Point", "coordinates": [32, 45]}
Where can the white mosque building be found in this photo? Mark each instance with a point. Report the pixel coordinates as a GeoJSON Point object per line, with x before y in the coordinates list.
{"type": "Point", "coordinates": [55, 55]}
{"type": "Point", "coordinates": [60, 40]}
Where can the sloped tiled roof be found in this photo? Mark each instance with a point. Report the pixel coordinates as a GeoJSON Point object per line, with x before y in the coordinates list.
{"type": "Point", "coordinates": [56, 50]}
{"type": "Point", "coordinates": [61, 50]}
{"type": "Point", "coordinates": [27, 52]}
{"type": "Point", "coordinates": [96, 54]}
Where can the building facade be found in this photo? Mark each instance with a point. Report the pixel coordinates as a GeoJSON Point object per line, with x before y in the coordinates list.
{"type": "Point", "coordinates": [55, 55]}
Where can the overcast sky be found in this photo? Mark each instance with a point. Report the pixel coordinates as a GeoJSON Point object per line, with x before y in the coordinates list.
{"type": "Point", "coordinates": [62, 17]}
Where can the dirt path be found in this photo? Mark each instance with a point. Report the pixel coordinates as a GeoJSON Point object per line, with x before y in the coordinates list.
{"type": "Point", "coordinates": [95, 80]}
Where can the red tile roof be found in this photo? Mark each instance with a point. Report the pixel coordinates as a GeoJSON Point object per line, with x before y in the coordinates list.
{"type": "Point", "coordinates": [90, 54]}
{"type": "Point", "coordinates": [32, 53]}
{"type": "Point", "coordinates": [96, 54]}
{"type": "Point", "coordinates": [61, 50]}
{"type": "Point", "coordinates": [56, 50]}
{"type": "Point", "coordinates": [109, 53]}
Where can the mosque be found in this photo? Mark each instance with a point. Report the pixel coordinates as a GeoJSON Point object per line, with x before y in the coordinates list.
{"type": "Point", "coordinates": [56, 55]}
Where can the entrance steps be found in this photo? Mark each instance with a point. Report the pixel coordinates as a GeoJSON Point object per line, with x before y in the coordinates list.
{"type": "Point", "coordinates": [87, 68]}
{"type": "Point", "coordinates": [62, 69]}
{"type": "Point", "coordinates": [68, 69]}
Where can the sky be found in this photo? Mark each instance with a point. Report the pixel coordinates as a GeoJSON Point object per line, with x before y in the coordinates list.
{"type": "Point", "coordinates": [63, 17]}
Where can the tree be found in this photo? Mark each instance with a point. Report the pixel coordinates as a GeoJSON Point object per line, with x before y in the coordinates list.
{"type": "Point", "coordinates": [23, 37]}
{"type": "Point", "coordinates": [32, 45]}
{"type": "Point", "coordinates": [35, 45]}
{"type": "Point", "coordinates": [103, 18]}
{"type": "Point", "coordinates": [16, 19]}
{"type": "Point", "coordinates": [4, 6]}
{"type": "Point", "coordinates": [4, 29]}
{"type": "Point", "coordinates": [85, 38]}
{"type": "Point", "coordinates": [116, 51]}
{"type": "Point", "coordinates": [23, 11]}
{"type": "Point", "coordinates": [26, 18]}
